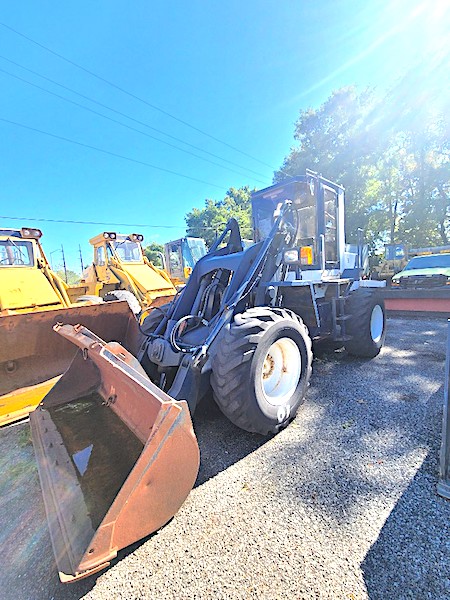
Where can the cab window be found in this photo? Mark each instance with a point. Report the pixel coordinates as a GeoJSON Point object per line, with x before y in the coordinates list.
{"type": "Point", "coordinates": [128, 251]}
{"type": "Point", "coordinates": [174, 257]}
{"type": "Point", "coordinates": [16, 253]}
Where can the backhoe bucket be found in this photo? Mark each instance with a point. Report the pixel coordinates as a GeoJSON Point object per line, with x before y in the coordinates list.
{"type": "Point", "coordinates": [33, 356]}
{"type": "Point", "coordinates": [116, 455]}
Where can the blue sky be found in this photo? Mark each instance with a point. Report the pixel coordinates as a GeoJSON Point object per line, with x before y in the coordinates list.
{"type": "Point", "coordinates": [239, 71]}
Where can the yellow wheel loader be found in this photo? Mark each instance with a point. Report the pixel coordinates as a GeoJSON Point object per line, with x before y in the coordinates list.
{"type": "Point", "coordinates": [114, 443]}
{"type": "Point", "coordinates": [33, 299]}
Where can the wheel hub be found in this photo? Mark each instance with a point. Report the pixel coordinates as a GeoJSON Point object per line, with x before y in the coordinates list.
{"type": "Point", "coordinates": [268, 367]}
{"type": "Point", "coordinates": [281, 371]}
{"type": "Point", "coordinates": [376, 323]}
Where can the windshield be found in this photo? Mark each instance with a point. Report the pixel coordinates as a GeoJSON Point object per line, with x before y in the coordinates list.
{"type": "Point", "coordinates": [14, 253]}
{"type": "Point", "coordinates": [429, 262]}
{"type": "Point", "coordinates": [128, 251]}
{"type": "Point", "coordinates": [197, 247]}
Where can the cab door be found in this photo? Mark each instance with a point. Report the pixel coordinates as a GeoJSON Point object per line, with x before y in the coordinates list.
{"type": "Point", "coordinates": [330, 231]}
{"type": "Point", "coordinates": [175, 260]}
{"type": "Point", "coordinates": [100, 263]}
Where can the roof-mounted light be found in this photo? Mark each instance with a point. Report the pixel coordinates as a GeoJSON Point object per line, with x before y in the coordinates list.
{"type": "Point", "coordinates": [30, 233]}
{"type": "Point", "coordinates": [110, 235]}
{"type": "Point", "coordinates": [137, 237]}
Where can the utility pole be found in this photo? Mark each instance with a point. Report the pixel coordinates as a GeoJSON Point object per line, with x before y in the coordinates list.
{"type": "Point", "coordinates": [64, 263]}
{"type": "Point", "coordinates": [81, 259]}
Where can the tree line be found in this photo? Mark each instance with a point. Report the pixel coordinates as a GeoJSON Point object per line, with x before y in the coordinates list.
{"type": "Point", "coordinates": [390, 151]}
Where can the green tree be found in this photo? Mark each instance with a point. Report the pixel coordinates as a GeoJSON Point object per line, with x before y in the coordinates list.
{"type": "Point", "coordinates": [153, 252]}
{"type": "Point", "coordinates": [337, 141]}
{"type": "Point", "coordinates": [391, 154]}
{"type": "Point", "coordinates": [209, 221]}
{"type": "Point", "coordinates": [416, 125]}
{"type": "Point", "coordinates": [72, 277]}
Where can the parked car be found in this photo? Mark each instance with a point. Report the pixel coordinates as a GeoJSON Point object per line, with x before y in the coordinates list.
{"type": "Point", "coordinates": [431, 270]}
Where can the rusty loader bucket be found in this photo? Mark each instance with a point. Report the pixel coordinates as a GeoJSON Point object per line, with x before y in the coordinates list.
{"type": "Point", "coordinates": [33, 356]}
{"type": "Point", "coordinates": [116, 455]}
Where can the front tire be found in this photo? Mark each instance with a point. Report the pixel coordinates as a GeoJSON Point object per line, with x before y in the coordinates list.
{"type": "Point", "coordinates": [366, 324]}
{"type": "Point", "coordinates": [261, 369]}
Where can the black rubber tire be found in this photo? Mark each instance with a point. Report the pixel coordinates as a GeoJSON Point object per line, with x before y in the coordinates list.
{"type": "Point", "coordinates": [237, 366]}
{"type": "Point", "coordinates": [129, 297]}
{"type": "Point", "coordinates": [360, 306]}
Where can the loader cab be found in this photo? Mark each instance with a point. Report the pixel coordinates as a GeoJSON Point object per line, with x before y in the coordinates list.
{"type": "Point", "coordinates": [127, 249]}
{"type": "Point", "coordinates": [180, 256]}
{"type": "Point", "coordinates": [111, 247]}
{"type": "Point", "coordinates": [317, 219]}
{"type": "Point", "coordinates": [19, 248]}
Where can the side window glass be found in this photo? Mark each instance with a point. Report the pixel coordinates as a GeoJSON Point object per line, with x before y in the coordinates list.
{"type": "Point", "coordinates": [100, 256]}
{"type": "Point", "coordinates": [330, 226]}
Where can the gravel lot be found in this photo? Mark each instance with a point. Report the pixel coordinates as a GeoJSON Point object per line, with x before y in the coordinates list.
{"type": "Point", "coordinates": [341, 504]}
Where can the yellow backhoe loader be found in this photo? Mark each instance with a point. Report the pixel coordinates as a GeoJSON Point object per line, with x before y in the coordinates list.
{"type": "Point", "coordinates": [121, 271]}
{"type": "Point", "coordinates": [27, 282]}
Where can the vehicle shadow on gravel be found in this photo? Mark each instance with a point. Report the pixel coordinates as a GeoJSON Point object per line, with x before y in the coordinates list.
{"type": "Point", "coordinates": [411, 556]}
{"type": "Point", "coordinates": [221, 443]}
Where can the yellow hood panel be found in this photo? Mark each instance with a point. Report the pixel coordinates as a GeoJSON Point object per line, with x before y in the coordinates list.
{"type": "Point", "coordinates": [146, 279]}
{"type": "Point", "coordinates": [24, 287]}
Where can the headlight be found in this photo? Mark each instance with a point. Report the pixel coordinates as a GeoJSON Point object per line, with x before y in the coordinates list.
{"type": "Point", "coordinates": [31, 233]}
{"type": "Point", "coordinates": [291, 256]}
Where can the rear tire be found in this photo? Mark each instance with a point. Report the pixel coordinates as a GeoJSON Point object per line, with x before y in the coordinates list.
{"type": "Point", "coordinates": [261, 369]}
{"type": "Point", "coordinates": [366, 324]}
{"type": "Point", "coordinates": [133, 302]}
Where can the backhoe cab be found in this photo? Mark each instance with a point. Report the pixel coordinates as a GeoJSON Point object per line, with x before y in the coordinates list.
{"type": "Point", "coordinates": [121, 271]}
{"type": "Point", "coordinates": [243, 327]}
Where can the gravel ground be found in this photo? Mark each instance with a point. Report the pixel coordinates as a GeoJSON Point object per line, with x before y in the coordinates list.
{"type": "Point", "coordinates": [341, 504]}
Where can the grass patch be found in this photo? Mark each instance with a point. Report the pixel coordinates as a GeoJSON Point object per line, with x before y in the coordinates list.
{"type": "Point", "coordinates": [24, 438]}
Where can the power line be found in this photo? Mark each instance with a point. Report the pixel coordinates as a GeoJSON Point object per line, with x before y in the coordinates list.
{"type": "Point", "coordinates": [122, 124]}
{"type": "Point", "coordinates": [139, 162]}
{"type": "Point", "coordinates": [117, 87]}
{"type": "Point", "coordinates": [32, 219]}
{"type": "Point", "coordinates": [71, 222]}
{"type": "Point", "coordinates": [124, 115]}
